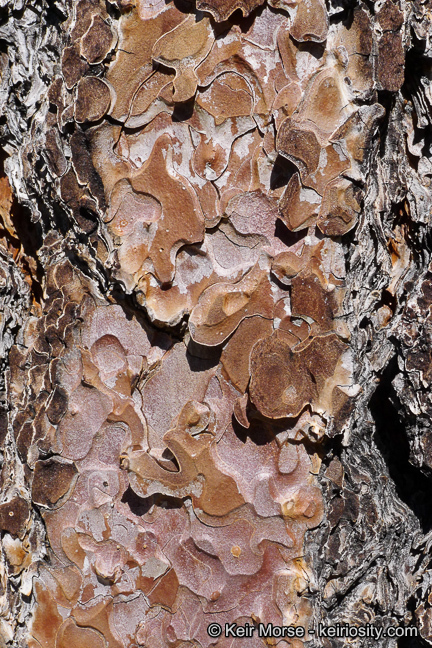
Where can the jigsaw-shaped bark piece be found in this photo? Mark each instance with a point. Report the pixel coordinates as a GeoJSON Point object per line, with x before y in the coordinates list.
{"type": "Point", "coordinates": [321, 260]}
{"type": "Point", "coordinates": [295, 330]}
{"type": "Point", "coordinates": [194, 273]}
{"type": "Point", "coordinates": [310, 21]}
{"type": "Point", "coordinates": [268, 478]}
{"type": "Point", "coordinates": [357, 41]}
{"type": "Point", "coordinates": [318, 193]}
{"type": "Point", "coordinates": [64, 583]}
{"type": "Point", "coordinates": [173, 195]}
{"type": "Point", "coordinates": [228, 96]}
{"type": "Point", "coordinates": [86, 10]}
{"type": "Point", "coordinates": [242, 173]}
{"type": "Point", "coordinates": [86, 175]}
{"type": "Point", "coordinates": [339, 209]}
{"type": "Point", "coordinates": [284, 381]}
{"type": "Point", "coordinates": [93, 100]}
{"type": "Point", "coordinates": [192, 377]}
{"type": "Point", "coordinates": [222, 9]}
{"type": "Point", "coordinates": [223, 306]}
{"type": "Point", "coordinates": [155, 94]}
{"type": "Point", "coordinates": [209, 159]}
{"type": "Point", "coordinates": [300, 146]}
{"type": "Point", "coordinates": [304, 505]}
{"type": "Point", "coordinates": [194, 457]}
{"type": "Point", "coordinates": [286, 102]}
{"type": "Point", "coordinates": [326, 103]}
{"type": "Point", "coordinates": [97, 617]}
{"type": "Point", "coordinates": [183, 49]}
{"type": "Point", "coordinates": [287, 265]}
{"type": "Point", "coordinates": [73, 67]}
{"type": "Point", "coordinates": [390, 69]}
{"type": "Point", "coordinates": [280, 384]}
{"type": "Point", "coordinates": [356, 135]}
{"type": "Point", "coordinates": [333, 161]}
{"type": "Point", "coordinates": [70, 635]}
{"type": "Point", "coordinates": [224, 55]}
{"type": "Point", "coordinates": [97, 42]}
{"type": "Point", "coordinates": [255, 213]}
{"type": "Point", "coordinates": [137, 37]}
{"type": "Point", "coordinates": [311, 299]}
{"type": "Point", "coordinates": [88, 409]}
{"type": "Point", "coordinates": [110, 323]}
{"type": "Point", "coordinates": [14, 515]}
{"type": "Point", "coordinates": [51, 481]}
{"type": "Point", "coordinates": [299, 205]}
{"type": "Point", "coordinates": [47, 619]}
{"type": "Point", "coordinates": [235, 356]}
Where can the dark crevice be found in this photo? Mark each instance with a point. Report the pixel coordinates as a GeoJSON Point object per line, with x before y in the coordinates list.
{"type": "Point", "coordinates": [113, 11]}
{"type": "Point", "coordinates": [412, 642]}
{"type": "Point", "coordinates": [263, 430]}
{"type": "Point", "coordinates": [387, 299]}
{"type": "Point", "coordinates": [281, 173]}
{"type": "Point", "coordinates": [287, 236]}
{"type": "Point", "coordinates": [183, 111]}
{"type": "Point", "coordinates": [208, 355]}
{"type": "Point", "coordinates": [141, 505]}
{"type": "Point", "coordinates": [29, 237]}
{"type": "Point", "coordinates": [417, 65]}
{"type": "Point", "coordinates": [184, 6]}
{"type": "Point", "coordinates": [82, 264]}
{"type": "Point", "coordinates": [351, 586]}
{"type": "Point", "coordinates": [170, 457]}
{"type": "Point", "coordinates": [259, 433]}
{"type": "Point", "coordinates": [87, 220]}
{"type": "Point", "coordinates": [138, 505]}
{"type": "Point", "coordinates": [418, 239]}
{"type": "Point", "coordinates": [412, 486]}
{"type": "Point", "coordinates": [204, 362]}
{"type": "Point", "coordinates": [168, 502]}
{"type": "Point", "coordinates": [279, 283]}
{"type": "Point", "coordinates": [61, 220]}
{"type": "Point", "coordinates": [344, 14]}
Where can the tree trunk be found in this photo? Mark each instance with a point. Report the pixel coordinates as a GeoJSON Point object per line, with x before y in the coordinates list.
{"type": "Point", "coordinates": [215, 323]}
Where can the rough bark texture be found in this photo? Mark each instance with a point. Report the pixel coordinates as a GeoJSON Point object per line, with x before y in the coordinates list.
{"type": "Point", "coordinates": [216, 335]}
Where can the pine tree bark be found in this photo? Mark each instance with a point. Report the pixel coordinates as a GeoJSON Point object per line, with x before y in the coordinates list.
{"type": "Point", "coordinates": [216, 294]}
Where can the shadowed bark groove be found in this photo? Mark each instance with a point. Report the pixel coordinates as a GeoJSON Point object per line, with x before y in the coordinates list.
{"type": "Point", "coordinates": [216, 329]}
